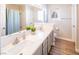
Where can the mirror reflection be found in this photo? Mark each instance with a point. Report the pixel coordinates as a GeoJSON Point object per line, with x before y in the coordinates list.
{"type": "Point", "coordinates": [14, 17]}
{"type": "Point", "coordinates": [12, 21]}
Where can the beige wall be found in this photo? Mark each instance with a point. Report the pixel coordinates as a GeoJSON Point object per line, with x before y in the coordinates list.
{"type": "Point", "coordinates": [13, 6]}
{"type": "Point", "coordinates": [63, 22]}
{"type": "Point", "coordinates": [21, 9]}
{"type": "Point", "coordinates": [23, 16]}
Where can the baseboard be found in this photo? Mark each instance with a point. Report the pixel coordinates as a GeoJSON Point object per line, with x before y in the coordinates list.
{"type": "Point", "coordinates": [67, 39]}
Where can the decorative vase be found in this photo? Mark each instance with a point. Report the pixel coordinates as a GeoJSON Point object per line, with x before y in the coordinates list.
{"type": "Point", "coordinates": [33, 33]}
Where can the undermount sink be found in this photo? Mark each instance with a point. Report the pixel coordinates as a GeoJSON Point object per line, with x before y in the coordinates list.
{"type": "Point", "coordinates": [13, 49]}
{"type": "Point", "coordinates": [20, 43]}
{"type": "Point", "coordinates": [4, 49]}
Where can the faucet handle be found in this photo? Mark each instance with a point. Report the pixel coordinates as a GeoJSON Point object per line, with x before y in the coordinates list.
{"type": "Point", "coordinates": [16, 41]}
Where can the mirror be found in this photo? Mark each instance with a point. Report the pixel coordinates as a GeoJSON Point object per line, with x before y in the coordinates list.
{"type": "Point", "coordinates": [12, 18]}
{"type": "Point", "coordinates": [17, 16]}
{"type": "Point", "coordinates": [12, 21]}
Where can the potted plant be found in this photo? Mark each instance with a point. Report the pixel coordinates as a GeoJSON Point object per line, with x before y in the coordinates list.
{"type": "Point", "coordinates": [32, 28]}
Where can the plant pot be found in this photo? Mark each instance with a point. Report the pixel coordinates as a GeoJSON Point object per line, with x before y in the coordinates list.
{"type": "Point", "coordinates": [33, 33]}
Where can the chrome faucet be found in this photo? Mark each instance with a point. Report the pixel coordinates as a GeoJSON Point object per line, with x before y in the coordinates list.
{"type": "Point", "coordinates": [16, 41]}
{"type": "Point", "coordinates": [24, 35]}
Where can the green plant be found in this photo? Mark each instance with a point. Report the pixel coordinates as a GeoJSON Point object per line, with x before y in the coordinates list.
{"type": "Point", "coordinates": [31, 27]}
{"type": "Point", "coordinates": [27, 28]}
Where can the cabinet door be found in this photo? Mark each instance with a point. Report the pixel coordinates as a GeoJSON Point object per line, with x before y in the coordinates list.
{"type": "Point", "coordinates": [49, 45]}
{"type": "Point", "coordinates": [49, 42]}
{"type": "Point", "coordinates": [51, 38]}
{"type": "Point", "coordinates": [38, 51]}
{"type": "Point", "coordinates": [45, 50]}
{"type": "Point", "coordinates": [45, 47]}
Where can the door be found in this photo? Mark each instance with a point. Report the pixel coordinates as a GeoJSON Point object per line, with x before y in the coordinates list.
{"type": "Point", "coordinates": [77, 40]}
{"type": "Point", "coordinates": [74, 25]}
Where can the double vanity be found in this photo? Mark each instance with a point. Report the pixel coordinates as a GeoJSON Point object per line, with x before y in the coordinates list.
{"type": "Point", "coordinates": [26, 43]}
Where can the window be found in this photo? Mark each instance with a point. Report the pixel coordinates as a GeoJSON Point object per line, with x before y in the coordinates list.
{"type": "Point", "coordinates": [40, 16]}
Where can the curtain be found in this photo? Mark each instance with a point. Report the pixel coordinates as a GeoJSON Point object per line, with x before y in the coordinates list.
{"type": "Point", "coordinates": [12, 21]}
{"type": "Point", "coordinates": [16, 21]}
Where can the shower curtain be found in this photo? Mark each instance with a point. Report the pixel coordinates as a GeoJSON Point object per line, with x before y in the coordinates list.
{"type": "Point", "coordinates": [12, 21]}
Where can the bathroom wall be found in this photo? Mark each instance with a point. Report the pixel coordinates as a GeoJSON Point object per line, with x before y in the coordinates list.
{"type": "Point", "coordinates": [13, 6]}
{"type": "Point", "coordinates": [23, 16]}
{"type": "Point", "coordinates": [64, 20]}
{"type": "Point", "coordinates": [31, 13]}
{"type": "Point", "coordinates": [2, 20]}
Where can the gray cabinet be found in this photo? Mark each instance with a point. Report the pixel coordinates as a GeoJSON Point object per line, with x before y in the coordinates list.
{"type": "Point", "coordinates": [50, 41]}
{"type": "Point", "coordinates": [44, 47]}
{"type": "Point", "coordinates": [49, 44]}
{"type": "Point", "coordinates": [48, 47]}
{"type": "Point", "coordinates": [38, 51]}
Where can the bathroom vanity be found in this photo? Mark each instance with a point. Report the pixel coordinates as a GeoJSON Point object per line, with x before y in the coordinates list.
{"type": "Point", "coordinates": [29, 44]}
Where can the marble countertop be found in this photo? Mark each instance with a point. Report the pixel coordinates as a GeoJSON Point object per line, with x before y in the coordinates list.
{"type": "Point", "coordinates": [31, 42]}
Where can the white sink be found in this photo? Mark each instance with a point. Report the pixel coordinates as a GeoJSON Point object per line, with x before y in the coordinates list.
{"type": "Point", "coordinates": [11, 49]}
{"type": "Point", "coordinates": [15, 49]}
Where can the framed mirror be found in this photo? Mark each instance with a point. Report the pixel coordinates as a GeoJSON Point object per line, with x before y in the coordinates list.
{"type": "Point", "coordinates": [12, 18]}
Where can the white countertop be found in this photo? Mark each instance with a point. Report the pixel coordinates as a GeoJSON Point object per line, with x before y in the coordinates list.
{"type": "Point", "coordinates": [32, 42]}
